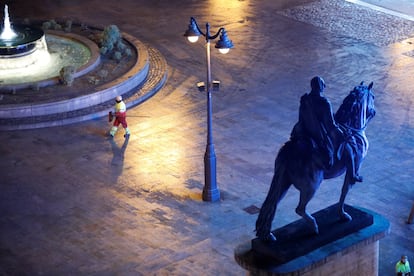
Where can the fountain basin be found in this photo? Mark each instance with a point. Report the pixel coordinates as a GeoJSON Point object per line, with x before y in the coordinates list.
{"type": "Point", "coordinates": [41, 68]}
{"type": "Point", "coordinates": [81, 99]}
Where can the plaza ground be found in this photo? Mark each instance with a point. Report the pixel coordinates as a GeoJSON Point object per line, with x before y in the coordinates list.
{"type": "Point", "coordinates": [73, 202]}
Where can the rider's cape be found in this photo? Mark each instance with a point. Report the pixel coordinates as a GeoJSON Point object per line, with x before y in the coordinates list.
{"type": "Point", "coordinates": [313, 126]}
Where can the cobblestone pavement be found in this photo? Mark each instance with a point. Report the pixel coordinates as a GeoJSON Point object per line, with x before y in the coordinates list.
{"type": "Point", "coordinates": [73, 202]}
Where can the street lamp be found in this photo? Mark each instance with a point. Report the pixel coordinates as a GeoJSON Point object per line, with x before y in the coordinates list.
{"type": "Point", "coordinates": [210, 190]}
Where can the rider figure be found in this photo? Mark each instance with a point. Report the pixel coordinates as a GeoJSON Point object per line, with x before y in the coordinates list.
{"type": "Point", "coordinates": [316, 122]}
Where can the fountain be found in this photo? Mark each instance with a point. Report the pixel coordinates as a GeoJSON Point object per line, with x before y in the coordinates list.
{"type": "Point", "coordinates": [34, 93]}
{"type": "Point", "coordinates": [25, 58]}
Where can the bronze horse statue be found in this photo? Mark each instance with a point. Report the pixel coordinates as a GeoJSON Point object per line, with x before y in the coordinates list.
{"type": "Point", "coordinates": [294, 164]}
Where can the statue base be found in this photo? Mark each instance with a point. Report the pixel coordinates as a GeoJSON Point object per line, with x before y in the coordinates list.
{"type": "Point", "coordinates": [350, 247]}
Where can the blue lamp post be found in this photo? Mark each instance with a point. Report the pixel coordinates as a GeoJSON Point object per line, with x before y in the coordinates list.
{"type": "Point", "coordinates": [210, 190]}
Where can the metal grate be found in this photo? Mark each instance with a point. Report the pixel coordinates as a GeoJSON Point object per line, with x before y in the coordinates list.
{"type": "Point", "coordinates": [252, 209]}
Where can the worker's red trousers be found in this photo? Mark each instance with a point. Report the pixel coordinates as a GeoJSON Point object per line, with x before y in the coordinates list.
{"type": "Point", "coordinates": [120, 118]}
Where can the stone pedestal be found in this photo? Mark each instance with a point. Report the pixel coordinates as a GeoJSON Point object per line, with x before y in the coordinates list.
{"type": "Point", "coordinates": [341, 248]}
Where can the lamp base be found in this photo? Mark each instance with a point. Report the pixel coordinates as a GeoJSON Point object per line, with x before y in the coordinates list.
{"type": "Point", "coordinates": [211, 195]}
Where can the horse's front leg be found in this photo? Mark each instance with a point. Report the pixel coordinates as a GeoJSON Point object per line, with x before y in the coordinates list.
{"type": "Point", "coordinates": [345, 189]}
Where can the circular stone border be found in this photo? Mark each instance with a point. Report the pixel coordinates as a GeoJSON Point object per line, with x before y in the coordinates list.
{"type": "Point", "coordinates": [124, 83]}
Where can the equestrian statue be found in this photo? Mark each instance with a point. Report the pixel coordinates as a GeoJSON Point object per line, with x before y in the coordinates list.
{"type": "Point", "coordinates": [322, 145]}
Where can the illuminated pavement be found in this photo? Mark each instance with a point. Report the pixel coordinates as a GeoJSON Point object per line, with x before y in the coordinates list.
{"type": "Point", "coordinates": [73, 202]}
{"type": "Point", "coordinates": [405, 7]}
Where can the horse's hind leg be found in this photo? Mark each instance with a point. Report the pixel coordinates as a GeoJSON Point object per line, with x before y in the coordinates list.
{"type": "Point", "coordinates": [345, 189]}
{"type": "Point", "coordinates": [307, 191]}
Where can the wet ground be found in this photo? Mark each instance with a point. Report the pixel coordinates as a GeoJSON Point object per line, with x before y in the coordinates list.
{"type": "Point", "coordinates": [73, 202]}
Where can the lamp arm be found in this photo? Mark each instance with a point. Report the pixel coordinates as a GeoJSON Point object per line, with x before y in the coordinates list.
{"type": "Point", "coordinates": [217, 34]}
{"type": "Point", "coordinates": [207, 36]}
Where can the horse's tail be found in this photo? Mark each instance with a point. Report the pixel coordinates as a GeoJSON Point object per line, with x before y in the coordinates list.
{"type": "Point", "coordinates": [278, 188]}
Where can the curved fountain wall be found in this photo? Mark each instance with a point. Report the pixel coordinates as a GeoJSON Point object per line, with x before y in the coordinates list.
{"type": "Point", "coordinates": [24, 49]}
{"type": "Point", "coordinates": [134, 77]}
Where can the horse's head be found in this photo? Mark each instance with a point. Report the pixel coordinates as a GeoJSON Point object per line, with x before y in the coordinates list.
{"type": "Point", "coordinates": [357, 108]}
